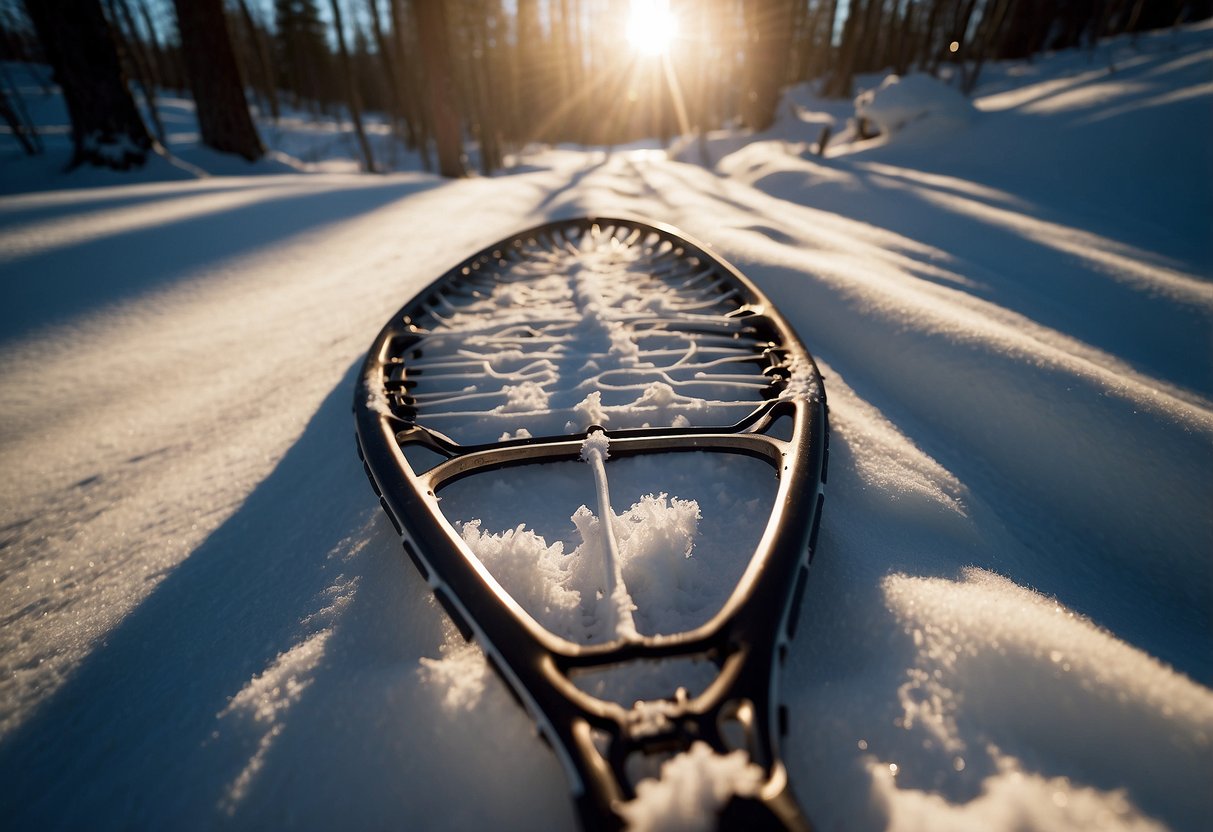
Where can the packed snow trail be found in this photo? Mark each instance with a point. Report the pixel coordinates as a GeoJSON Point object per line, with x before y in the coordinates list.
{"type": "Point", "coordinates": [207, 622]}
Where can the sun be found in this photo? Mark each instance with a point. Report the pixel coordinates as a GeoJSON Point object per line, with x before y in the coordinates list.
{"type": "Point", "coordinates": [651, 26]}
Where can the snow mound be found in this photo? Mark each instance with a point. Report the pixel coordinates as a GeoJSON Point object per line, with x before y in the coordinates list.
{"type": "Point", "coordinates": [1001, 668]}
{"type": "Point", "coordinates": [1011, 799]}
{"type": "Point", "coordinates": [918, 101]}
{"type": "Point", "coordinates": [692, 788]}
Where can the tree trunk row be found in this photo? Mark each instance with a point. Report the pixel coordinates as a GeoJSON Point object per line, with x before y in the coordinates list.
{"type": "Point", "coordinates": [505, 73]}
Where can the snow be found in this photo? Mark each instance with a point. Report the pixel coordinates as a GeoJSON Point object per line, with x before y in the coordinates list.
{"type": "Point", "coordinates": [586, 338]}
{"type": "Point", "coordinates": [915, 105]}
{"type": "Point", "coordinates": [679, 547]}
{"type": "Point", "coordinates": [1083, 695]}
{"type": "Point", "coordinates": [208, 621]}
{"type": "Point", "coordinates": [692, 787]}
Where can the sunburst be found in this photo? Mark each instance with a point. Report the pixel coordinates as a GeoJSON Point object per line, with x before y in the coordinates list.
{"type": "Point", "coordinates": [651, 27]}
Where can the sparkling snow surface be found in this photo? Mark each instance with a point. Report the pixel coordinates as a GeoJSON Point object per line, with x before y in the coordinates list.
{"type": "Point", "coordinates": [208, 622]}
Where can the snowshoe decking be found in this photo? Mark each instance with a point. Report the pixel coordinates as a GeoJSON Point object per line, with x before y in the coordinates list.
{"type": "Point", "coordinates": [558, 358]}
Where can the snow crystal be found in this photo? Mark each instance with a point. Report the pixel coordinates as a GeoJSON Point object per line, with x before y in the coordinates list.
{"type": "Point", "coordinates": [623, 346]}
{"type": "Point", "coordinates": [802, 381]}
{"type": "Point", "coordinates": [539, 577]}
{"type": "Point", "coordinates": [646, 718]}
{"type": "Point", "coordinates": [658, 395]}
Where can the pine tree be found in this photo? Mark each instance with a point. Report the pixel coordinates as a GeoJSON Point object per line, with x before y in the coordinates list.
{"type": "Point", "coordinates": [352, 98]}
{"type": "Point", "coordinates": [260, 59]}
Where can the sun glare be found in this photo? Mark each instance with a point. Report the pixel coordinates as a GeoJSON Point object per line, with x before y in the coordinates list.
{"type": "Point", "coordinates": [651, 26]}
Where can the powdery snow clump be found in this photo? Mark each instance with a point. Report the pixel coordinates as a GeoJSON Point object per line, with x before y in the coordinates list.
{"type": "Point", "coordinates": [526, 397]}
{"type": "Point", "coordinates": [693, 787]}
{"type": "Point", "coordinates": [918, 101]}
{"type": "Point", "coordinates": [564, 591]}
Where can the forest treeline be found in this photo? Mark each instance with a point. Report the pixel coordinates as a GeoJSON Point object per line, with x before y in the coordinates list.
{"type": "Point", "coordinates": [504, 73]}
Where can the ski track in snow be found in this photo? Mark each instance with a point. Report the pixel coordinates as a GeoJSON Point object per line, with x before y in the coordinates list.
{"type": "Point", "coordinates": [207, 621]}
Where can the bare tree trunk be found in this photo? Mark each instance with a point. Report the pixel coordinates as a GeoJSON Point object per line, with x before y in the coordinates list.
{"type": "Point", "coordinates": [532, 96]}
{"type": "Point", "coordinates": [440, 88]}
{"type": "Point", "coordinates": [481, 83]}
{"type": "Point", "coordinates": [162, 73]}
{"type": "Point", "coordinates": [823, 41]}
{"type": "Point", "coordinates": [16, 114]}
{"type": "Point", "coordinates": [388, 56]}
{"type": "Point", "coordinates": [581, 115]}
{"type": "Point", "coordinates": [128, 33]}
{"type": "Point", "coordinates": [517, 77]}
{"type": "Point", "coordinates": [960, 28]}
{"type": "Point", "coordinates": [900, 54]}
{"type": "Point", "coordinates": [801, 33]}
{"type": "Point", "coordinates": [107, 129]}
{"type": "Point", "coordinates": [265, 71]}
{"type": "Point", "coordinates": [223, 114]}
{"type": "Point", "coordinates": [926, 57]}
{"type": "Point", "coordinates": [868, 55]}
{"type": "Point", "coordinates": [27, 137]}
{"type": "Point", "coordinates": [351, 89]}
{"type": "Point", "coordinates": [838, 83]}
{"type": "Point", "coordinates": [502, 88]}
{"type": "Point", "coordinates": [411, 84]}
{"type": "Point", "coordinates": [767, 53]}
{"type": "Point", "coordinates": [991, 25]}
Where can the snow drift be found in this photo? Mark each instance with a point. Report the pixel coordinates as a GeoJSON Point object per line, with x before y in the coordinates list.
{"type": "Point", "coordinates": [917, 104]}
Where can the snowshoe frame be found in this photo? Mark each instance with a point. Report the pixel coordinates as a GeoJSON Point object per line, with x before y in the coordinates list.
{"type": "Point", "coordinates": [747, 638]}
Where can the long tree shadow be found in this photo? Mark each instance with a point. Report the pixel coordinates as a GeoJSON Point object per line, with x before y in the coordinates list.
{"type": "Point", "coordinates": [1161, 610]}
{"type": "Point", "coordinates": [867, 347]}
{"type": "Point", "coordinates": [553, 196]}
{"type": "Point", "coordinates": [54, 286]}
{"type": "Point", "coordinates": [1035, 265]}
{"type": "Point", "coordinates": [132, 739]}
{"type": "Point", "coordinates": [19, 210]}
{"type": "Point", "coordinates": [272, 678]}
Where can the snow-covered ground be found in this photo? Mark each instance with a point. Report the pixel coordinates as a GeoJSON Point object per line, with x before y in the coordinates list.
{"type": "Point", "coordinates": [207, 621]}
